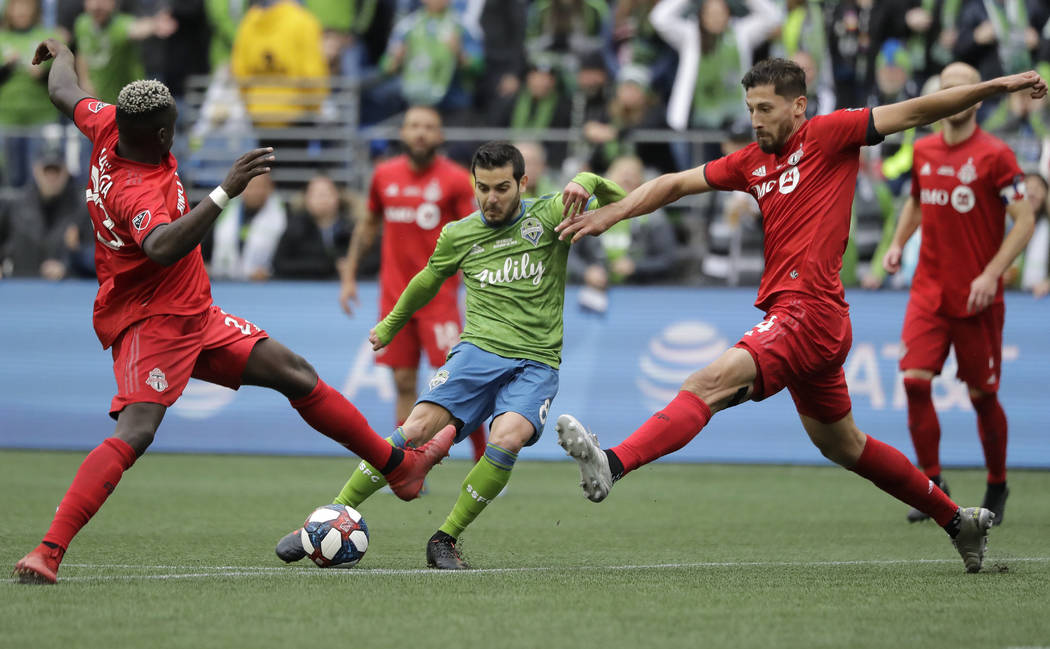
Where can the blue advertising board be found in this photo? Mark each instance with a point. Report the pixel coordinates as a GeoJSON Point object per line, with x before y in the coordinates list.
{"type": "Point", "coordinates": [56, 381]}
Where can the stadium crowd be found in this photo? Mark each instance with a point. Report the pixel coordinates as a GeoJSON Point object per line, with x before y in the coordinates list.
{"type": "Point", "coordinates": [625, 88]}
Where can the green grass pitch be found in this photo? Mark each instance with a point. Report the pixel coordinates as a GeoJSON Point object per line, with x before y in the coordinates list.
{"type": "Point", "coordinates": [679, 556]}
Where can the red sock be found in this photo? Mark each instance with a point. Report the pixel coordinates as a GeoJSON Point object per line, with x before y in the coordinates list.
{"type": "Point", "coordinates": [923, 424]}
{"type": "Point", "coordinates": [331, 414]}
{"type": "Point", "coordinates": [893, 473]}
{"type": "Point", "coordinates": [665, 432]}
{"type": "Point", "coordinates": [991, 425]}
{"type": "Point", "coordinates": [95, 480]}
{"type": "Point", "coordinates": [477, 440]}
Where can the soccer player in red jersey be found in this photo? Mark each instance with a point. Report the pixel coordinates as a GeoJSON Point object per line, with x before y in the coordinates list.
{"type": "Point", "coordinates": [963, 184]}
{"type": "Point", "coordinates": [154, 306]}
{"type": "Point", "coordinates": [413, 196]}
{"type": "Point", "coordinates": [803, 173]}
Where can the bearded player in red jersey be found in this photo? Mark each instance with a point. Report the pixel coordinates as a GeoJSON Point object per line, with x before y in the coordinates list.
{"type": "Point", "coordinates": [154, 305]}
{"type": "Point", "coordinates": [412, 196]}
{"type": "Point", "coordinates": [963, 184]}
{"type": "Point", "coordinates": [803, 173]}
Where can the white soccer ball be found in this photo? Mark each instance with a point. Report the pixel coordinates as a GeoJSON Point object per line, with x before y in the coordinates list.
{"type": "Point", "coordinates": [335, 536]}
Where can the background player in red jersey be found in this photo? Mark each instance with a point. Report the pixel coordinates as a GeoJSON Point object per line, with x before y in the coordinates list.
{"type": "Point", "coordinates": [803, 173]}
{"type": "Point", "coordinates": [413, 196]}
{"type": "Point", "coordinates": [154, 305]}
{"type": "Point", "coordinates": [963, 184]}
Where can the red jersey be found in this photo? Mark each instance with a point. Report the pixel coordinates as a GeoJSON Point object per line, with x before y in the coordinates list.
{"type": "Point", "coordinates": [415, 206]}
{"type": "Point", "coordinates": [126, 201]}
{"type": "Point", "coordinates": [963, 190]}
{"type": "Point", "coordinates": [805, 193]}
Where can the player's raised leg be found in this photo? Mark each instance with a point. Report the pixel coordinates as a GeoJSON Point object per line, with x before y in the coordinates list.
{"type": "Point", "coordinates": [724, 383]}
{"type": "Point", "coordinates": [94, 481]}
{"type": "Point", "coordinates": [843, 443]}
{"type": "Point", "coordinates": [425, 420]}
{"type": "Point", "coordinates": [510, 432]}
{"type": "Point", "coordinates": [273, 365]}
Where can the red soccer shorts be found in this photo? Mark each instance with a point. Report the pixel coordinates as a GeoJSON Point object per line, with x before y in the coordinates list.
{"type": "Point", "coordinates": [978, 342]}
{"type": "Point", "coordinates": [434, 332]}
{"type": "Point", "coordinates": [154, 358]}
{"type": "Point", "coordinates": [801, 346]}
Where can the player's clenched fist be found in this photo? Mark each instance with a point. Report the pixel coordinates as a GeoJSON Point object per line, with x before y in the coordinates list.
{"type": "Point", "coordinates": [254, 163]}
{"type": "Point", "coordinates": [373, 338]}
{"type": "Point", "coordinates": [47, 50]}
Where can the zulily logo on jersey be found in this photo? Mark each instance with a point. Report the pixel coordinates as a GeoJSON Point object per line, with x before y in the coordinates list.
{"type": "Point", "coordinates": [512, 271]}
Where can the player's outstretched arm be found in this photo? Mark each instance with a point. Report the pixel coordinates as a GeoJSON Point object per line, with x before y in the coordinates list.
{"type": "Point", "coordinates": [651, 196]}
{"type": "Point", "coordinates": [170, 242]}
{"type": "Point", "coordinates": [62, 84]}
{"type": "Point", "coordinates": [893, 118]}
{"type": "Point", "coordinates": [908, 221]}
{"type": "Point", "coordinates": [420, 290]}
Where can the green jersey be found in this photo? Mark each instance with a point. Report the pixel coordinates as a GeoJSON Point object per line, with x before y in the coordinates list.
{"type": "Point", "coordinates": [113, 59]}
{"type": "Point", "coordinates": [514, 275]}
{"type": "Point", "coordinates": [23, 97]}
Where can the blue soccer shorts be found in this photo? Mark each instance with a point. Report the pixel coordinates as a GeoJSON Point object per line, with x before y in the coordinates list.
{"type": "Point", "coordinates": [475, 386]}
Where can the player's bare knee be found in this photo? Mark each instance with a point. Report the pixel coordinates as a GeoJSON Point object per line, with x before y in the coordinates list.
{"type": "Point", "coordinates": [405, 382]}
{"type": "Point", "coordinates": [977, 394]}
{"type": "Point", "coordinates": [921, 375]}
{"type": "Point", "coordinates": [138, 437]}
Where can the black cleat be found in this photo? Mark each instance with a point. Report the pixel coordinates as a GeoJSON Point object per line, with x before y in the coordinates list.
{"type": "Point", "coordinates": [914, 515]}
{"type": "Point", "coordinates": [995, 501]}
{"type": "Point", "coordinates": [442, 553]}
{"type": "Point", "coordinates": [290, 547]}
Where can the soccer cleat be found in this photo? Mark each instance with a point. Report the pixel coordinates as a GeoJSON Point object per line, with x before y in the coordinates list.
{"type": "Point", "coordinates": [39, 566]}
{"type": "Point", "coordinates": [290, 547]}
{"type": "Point", "coordinates": [973, 536]}
{"type": "Point", "coordinates": [442, 553]}
{"type": "Point", "coordinates": [582, 446]}
{"type": "Point", "coordinates": [914, 515]}
{"type": "Point", "coordinates": [995, 501]}
{"type": "Point", "coordinates": [406, 481]}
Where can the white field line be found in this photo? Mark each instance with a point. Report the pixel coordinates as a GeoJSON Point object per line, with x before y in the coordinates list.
{"type": "Point", "coordinates": [228, 572]}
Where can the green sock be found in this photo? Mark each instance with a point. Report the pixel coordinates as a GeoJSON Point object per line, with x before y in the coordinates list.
{"type": "Point", "coordinates": [480, 487]}
{"type": "Point", "coordinates": [366, 479]}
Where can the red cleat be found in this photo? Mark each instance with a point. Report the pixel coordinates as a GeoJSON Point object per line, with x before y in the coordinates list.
{"type": "Point", "coordinates": [39, 566]}
{"type": "Point", "coordinates": [406, 481]}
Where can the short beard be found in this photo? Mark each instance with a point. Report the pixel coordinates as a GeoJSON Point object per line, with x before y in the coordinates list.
{"type": "Point", "coordinates": [422, 159]}
{"type": "Point", "coordinates": [508, 215]}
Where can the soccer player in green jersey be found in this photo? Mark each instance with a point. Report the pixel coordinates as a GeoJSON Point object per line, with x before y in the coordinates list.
{"type": "Point", "coordinates": [506, 363]}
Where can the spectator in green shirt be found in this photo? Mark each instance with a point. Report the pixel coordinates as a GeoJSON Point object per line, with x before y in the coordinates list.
{"type": "Point", "coordinates": [107, 46]}
{"type": "Point", "coordinates": [23, 87]}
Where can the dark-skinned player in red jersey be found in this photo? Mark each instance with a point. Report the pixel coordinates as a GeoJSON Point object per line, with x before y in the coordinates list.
{"type": "Point", "coordinates": [154, 306]}
{"type": "Point", "coordinates": [803, 173]}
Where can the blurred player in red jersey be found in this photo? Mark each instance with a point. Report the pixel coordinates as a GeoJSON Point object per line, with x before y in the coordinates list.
{"type": "Point", "coordinates": [154, 305]}
{"type": "Point", "coordinates": [963, 184]}
{"type": "Point", "coordinates": [413, 196]}
{"type": "Point", "coordinates": [803, 173]}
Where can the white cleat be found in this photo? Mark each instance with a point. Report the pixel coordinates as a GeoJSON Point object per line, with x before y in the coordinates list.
{"type": "Point", "coordinates": [582, 446]}
{"type": "Point", "coordinates": [973, 536]}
